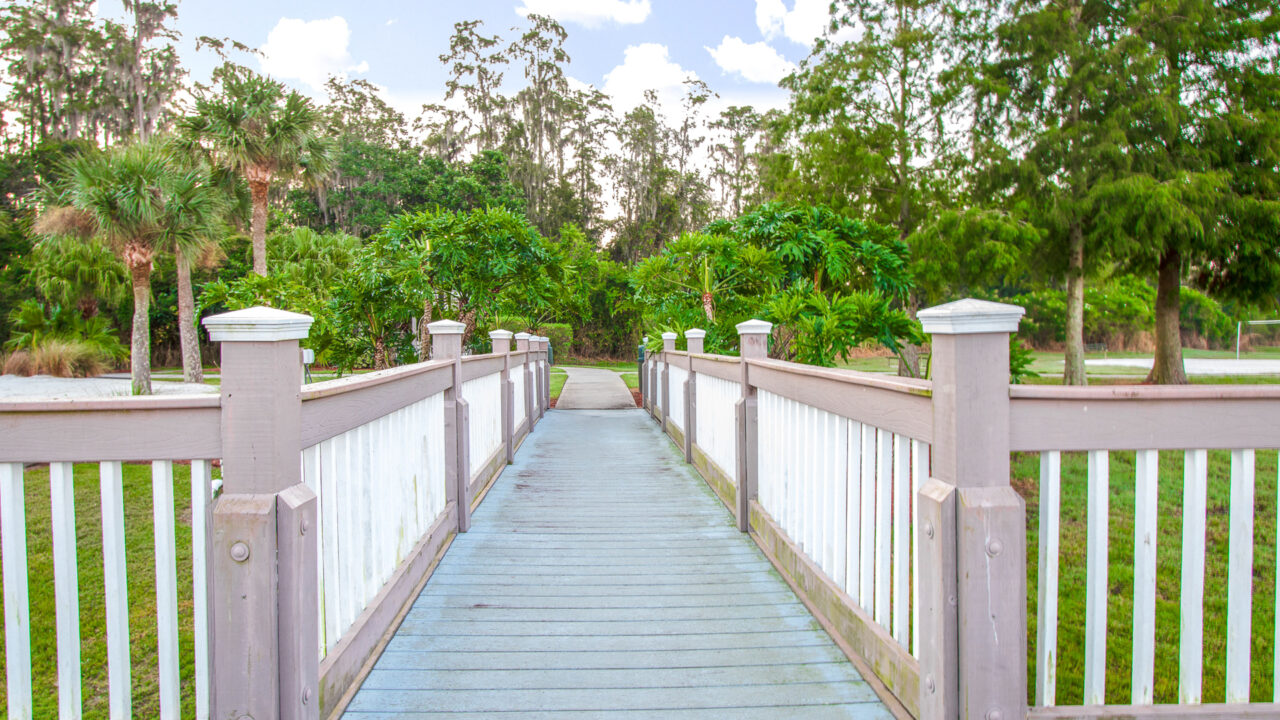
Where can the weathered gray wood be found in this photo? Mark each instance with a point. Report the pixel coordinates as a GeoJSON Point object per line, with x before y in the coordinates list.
{"type": "Point", "coordinates": [939, 627]}
{"type": "Point", "coordinates": [352, 658]}
{"type": "Point", "coordinates": [340, 409]}
{"type": "Point", "coordinates": [261, 416]}
{"type": "Point", "coordinates": [608, 587]}
{"type": "Point", "coordinates": [297, 525]}
{"type": "Point", "coordinates": [478, 366]}
{"type": "Point", "coordinates": [177, 432]}
{"type": "Point", "coordinates": [463, 477]}
{"type": "Point", "coordinates": [1143, 417]}
{"type": "Point", "coordinates": [971, 453]}
{"type": "Point", "coordinates": [719, 366]}
{"type": "Point", "coordinates": [690, 415]}
{"type": "Point", "coordinates": [899, 405]}
{"type": "Point", "coordinates": [859, 634]}
{"type": "Point", "coordinates": [245, 605]}
{"type": "Point", "coordinates": [991, 558]}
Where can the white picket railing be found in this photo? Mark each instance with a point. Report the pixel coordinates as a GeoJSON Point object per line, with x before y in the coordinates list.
{"type": "Point", "coordinates": [843, 491]}
{"type": "Point", "coordinates": [484, 399]}
{"type": "Point", "coordinates": [716, 422]}
{"type": "Point", "coordinates": [678, 377]}
{"type": "Point", "coordinates": [1191, 643]}
{"type": "Point", "coordinates": [517, 407]}
{"type": "Point", "coordinates": [381, 486]}
{"type": "Point", "coordinates": [69, 597]}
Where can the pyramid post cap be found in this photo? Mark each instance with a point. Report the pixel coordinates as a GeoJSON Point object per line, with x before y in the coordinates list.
{"type": "Point", "coordinates": [500, 334]}
{"type": "Point", "coordinates": [755, 327]}
{"type": "Point", "coordinates": [695, 334]}
{"type": "Point", "coordinates": [971, 316]}
{"type": "Point", "coordinates": [446, 327]}
{"type": "Point", "coordinates": [258, 324]}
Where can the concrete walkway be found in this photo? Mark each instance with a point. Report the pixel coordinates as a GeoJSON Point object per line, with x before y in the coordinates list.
{"type": "Point", "coordinates": [44, 387]}
{"type": "Point", "coordinates": [602, 579]}
{"type": "Point", "coordinates": [594, 389]}
{"type": "Point", "coordinates": [1198, 366]}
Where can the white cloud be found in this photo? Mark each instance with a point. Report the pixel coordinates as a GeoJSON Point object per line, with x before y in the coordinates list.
{"type": "Point", "coordinates": [803, 23]}
{"type": "Point", "coordinates": [392, 21]}
{"type": "Point", "coordinates": [310, 51]}
{"type": "Point", "coordinates": [756, 62]}
{"type": "Point", "coordinates": [590, 13]}
{"type": "Point", "coordinates": [647, 66]}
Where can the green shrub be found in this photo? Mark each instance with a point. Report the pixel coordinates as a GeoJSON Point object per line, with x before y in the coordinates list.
{"type": "Point", "coordinates": [561, 337]}
{"type": "Point", "coordinates": [1202, 317]}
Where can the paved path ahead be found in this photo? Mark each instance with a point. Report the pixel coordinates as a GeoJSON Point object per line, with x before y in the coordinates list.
{"type": "Point", "coordinates": [594, 389]}
{"type": "Point", "coordinates": [602, 579]}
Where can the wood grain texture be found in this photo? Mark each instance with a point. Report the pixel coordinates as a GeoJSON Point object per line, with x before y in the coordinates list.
{"type": "Point", "coordinates": [602, 579]}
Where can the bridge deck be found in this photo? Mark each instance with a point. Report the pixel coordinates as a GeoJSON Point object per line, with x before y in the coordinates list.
{"type": "Point", "coordinates": [602, 578]}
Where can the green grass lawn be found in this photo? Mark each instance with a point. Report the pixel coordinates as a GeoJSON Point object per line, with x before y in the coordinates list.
{"type": "Point", "coordinates": [1071, 595]}
{"type": "Point", "coordinates": [558, 377]}
{"type": "Point", "coordinates": [139, 543]}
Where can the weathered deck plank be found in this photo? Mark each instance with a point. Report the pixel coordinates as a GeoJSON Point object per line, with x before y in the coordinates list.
{"type": "Point", "coordinates": [603, 579]}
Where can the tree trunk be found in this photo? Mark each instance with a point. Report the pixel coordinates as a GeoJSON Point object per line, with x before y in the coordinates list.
{"type": "Point", "coordinates": [258, 191]}
{"type": "Point", "coordinates": [1073, 372]}
{"type": "Point", "coordinates": [140, 347]}
{"type": "Point", "coordinates": [424, 335]}
{"type": "Point", "coordinates": [1167, 368]}
{"type": "Point", "coordinates": [189, 336]}
{"type": "Point", "coordinates": [380, 353]}
{"type": "Point", "coordinates": [709, 307]}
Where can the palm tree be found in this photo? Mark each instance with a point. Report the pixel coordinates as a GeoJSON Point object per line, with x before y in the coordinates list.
{"type": "Point", "coordinates": [139, 202]}
{"type": "Point", "coordinates": [260, 132]}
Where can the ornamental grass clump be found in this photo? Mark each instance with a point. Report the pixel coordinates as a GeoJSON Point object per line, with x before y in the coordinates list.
{"type": "Point", "coordinates": [59, 358]}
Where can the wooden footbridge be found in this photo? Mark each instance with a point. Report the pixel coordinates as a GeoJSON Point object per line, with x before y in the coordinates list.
{"type": "Point", "coordinates": [762, 540]}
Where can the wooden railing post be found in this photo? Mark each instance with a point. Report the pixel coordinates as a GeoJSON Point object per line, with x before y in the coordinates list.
{"type": "Point", "coordinates": [972, 525]}
{"type": "Point", "coordinates": [668, 347]}
{"type": "Point", "coordinates": [264, 585]}
{"type": "Point", "coordinates": [539, 348]}
{"type": "Point", "coordinates": [693, 343]}
{"type": "Point", "coordinates": [545, 342]}
{"type": "Point", "coordinates": [753, 343]}
{"type": "Point", "coordinates": [524, 345]}
{"type": "Point", "coordinates": [501, 340]}
{"type": "Point", "coordinates": [646, 386]}
{"type": "Point", "coordinates": [446, 344]}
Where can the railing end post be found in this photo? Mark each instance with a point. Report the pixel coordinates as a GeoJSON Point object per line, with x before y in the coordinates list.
{"type": "Point", "coordinates": [970, 487]}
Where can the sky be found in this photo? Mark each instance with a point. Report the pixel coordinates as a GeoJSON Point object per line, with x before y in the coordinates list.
{"type": "Point", "coordinates": [740, 48]}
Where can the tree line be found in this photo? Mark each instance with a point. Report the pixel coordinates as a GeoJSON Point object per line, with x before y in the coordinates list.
{"type": "Point", "coordinates": [1112, 166]}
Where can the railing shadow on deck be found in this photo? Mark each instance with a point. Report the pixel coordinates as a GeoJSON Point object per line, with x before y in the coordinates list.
{"type": "Point", "coordinates": [887, 504]}
{"type": "Point", "coordinates": [336, 500]}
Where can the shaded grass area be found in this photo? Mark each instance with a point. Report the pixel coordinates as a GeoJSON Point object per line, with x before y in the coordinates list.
{"type": "Point", "coordinates": [140, 561]}
{"type": "Point", "coordinates": [1072, 569]}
